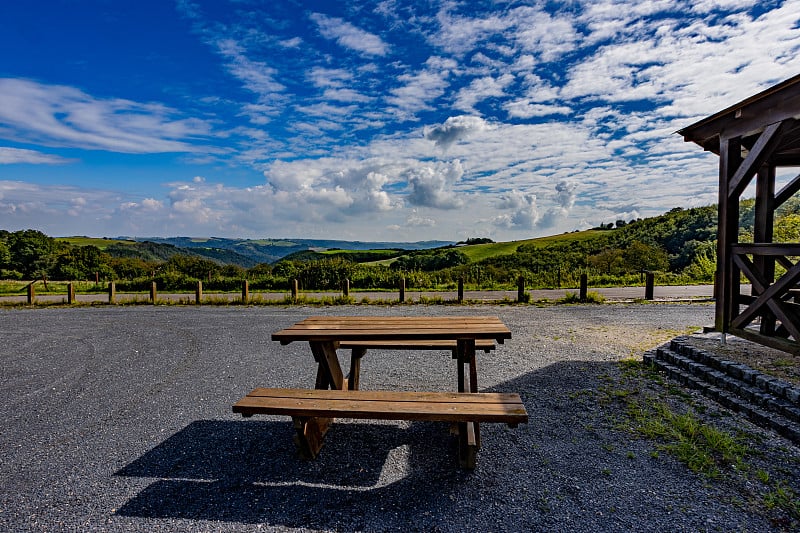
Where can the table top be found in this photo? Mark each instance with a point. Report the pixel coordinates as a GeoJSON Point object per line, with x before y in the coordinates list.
{"type": "Point", "coordinates": [341, 328]}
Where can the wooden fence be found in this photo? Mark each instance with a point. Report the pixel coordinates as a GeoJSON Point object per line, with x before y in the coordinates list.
{"type": "Point", "coordinates": [296, 296]}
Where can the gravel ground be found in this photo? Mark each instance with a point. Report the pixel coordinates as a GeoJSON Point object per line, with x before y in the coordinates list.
{"type": "Point", "coordinates": [119, 419]}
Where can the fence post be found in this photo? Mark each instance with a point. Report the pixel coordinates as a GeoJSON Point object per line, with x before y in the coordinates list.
{"type": "Point", "coordinates": [294, 289]}
{"type": "Point", "coordinates": [70, 293]}
{"type": "Point", "coordinates": [346, 288]}
{"type": "Point", "coordinates": [245, 291]}
{"type": "Point", "coordinates": [521, 289]}
{"type": "Point", "coordinates": [402, 290]}
{"type": "Point", "coordinates": [153, 293]}
{"type": "Point", "coordinates": [31, 294]}
{"type": "Point", "coordinates": [112, 292]}
{"type": "Point", "coordinates": [460, 290]}
{"type": "Point", "coordinates": [649, 280]}
{"type": "Point", "coordinates": [584, 294]}
{"type": "Point", "coordinates": [198, 293]}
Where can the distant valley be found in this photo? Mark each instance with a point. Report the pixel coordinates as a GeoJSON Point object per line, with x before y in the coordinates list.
{"type": "Point", "coordinates": [250, 252]}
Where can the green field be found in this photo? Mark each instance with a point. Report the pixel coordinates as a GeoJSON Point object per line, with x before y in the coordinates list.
{"type": "Point", "coordinates": [478, 252]}
{"type": "Point", "coordinates": [101, 243]}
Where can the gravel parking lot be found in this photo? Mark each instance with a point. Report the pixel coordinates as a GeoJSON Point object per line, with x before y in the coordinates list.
{"type": "Point", "coordinates": [119, 419]}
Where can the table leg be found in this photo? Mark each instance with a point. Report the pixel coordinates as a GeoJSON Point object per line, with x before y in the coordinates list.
{"type": "Point", "coordinates": [309, 435]}
{"type": "Point", "coordinates": [325, 355]}
{"type": "Point", "coordinates": [310, 432]}
{"type": "Point", "coordinates": [469, 439]}
{"type": "Point", "coordinates": [353, 380]}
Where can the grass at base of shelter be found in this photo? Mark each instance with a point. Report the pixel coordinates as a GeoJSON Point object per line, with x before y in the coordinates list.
{"type": "Point", "coordinates": [701, 438]}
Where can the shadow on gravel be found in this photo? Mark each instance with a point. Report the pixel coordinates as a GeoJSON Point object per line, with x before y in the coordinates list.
{"type": "Point", "coordinates": [248, 471]}
{"type": "Point", "coordinates": [379, 475]}
{"type": "Point", "coordinates": [567, 469]}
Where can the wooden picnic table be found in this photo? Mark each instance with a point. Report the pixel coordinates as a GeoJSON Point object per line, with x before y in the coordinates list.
{"type": "Point", "coordinates": [325, 334]}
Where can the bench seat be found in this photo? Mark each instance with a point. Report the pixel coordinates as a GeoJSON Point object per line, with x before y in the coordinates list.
{"type": "Point", "coordinates": [312, 411]}
{"type": "Point", "coordinates": [386, 405]}
{"type": "Point", "coordinates": [480, 344]}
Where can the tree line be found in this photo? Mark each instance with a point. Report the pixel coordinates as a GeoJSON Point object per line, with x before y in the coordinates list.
{"type": "Point", "coordinates": [678, 245]}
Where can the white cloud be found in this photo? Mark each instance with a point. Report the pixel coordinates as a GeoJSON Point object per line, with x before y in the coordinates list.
{"type": "Point", "coordinates": [56, 115]}
{"type": "Point", "coordinates": [526, 109]}
{"type": "Point", "coordinates": [256, 76]}
{"type": "Point", "coordinates": [524, 211]}
{"type": "Point", "coordinates": [433, 185]}
{"type": "Point", "coordinates": [349, 36]}
{"type": "Point", "coordinates": [455, 129]}
{"type": "Point", "coordinates": [10, 156]}
{"type": "Point", "coordinates": [481, 89]}
{"type": "Point", "coordinates": [420, 89]}
{"type": "Point", "coordinates": [565, 194]}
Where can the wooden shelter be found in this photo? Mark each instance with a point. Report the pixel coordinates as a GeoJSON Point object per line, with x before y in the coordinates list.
{"type": "Point", "coordinates": [753, 138]}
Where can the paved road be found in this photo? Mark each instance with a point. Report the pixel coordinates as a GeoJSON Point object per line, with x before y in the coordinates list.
{"type": "Point", "coordinates": [686, 292]}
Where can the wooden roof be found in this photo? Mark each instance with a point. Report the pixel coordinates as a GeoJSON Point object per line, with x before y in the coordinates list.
{"type": "Point", "coordinates": [748, 118]}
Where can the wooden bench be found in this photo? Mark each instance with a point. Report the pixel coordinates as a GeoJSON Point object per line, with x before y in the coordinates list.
{"type": "Point", "coordinates": [305, 405]}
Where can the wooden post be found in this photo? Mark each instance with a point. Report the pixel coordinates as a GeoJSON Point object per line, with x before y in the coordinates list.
{"type": "Point", "coordinates": [649, 280]}
{"type": "Point", "coordinates": [31, 294]}
{"type": "Point", "coordinates": [584, 294]}
{"type": "Point", "coordinates": [198, 293]}
{"type": "Point", "coordinates": [245, 291]}
{"type": "Point", "coordinates": [97, 278]}
{"type": "Point", "coordinates": [112, 292]}
{"type": "Point", "coordinates": [521, 289]}
{"type": "Point", "coordinates": [763, 230]}
{"type": "Point", "coordinates": [727, 280]}
{"type": "Point", "coordinates": [70, 293]}
{"type": "Point", "coordinates": [294, 289]}
{"type": "Point", "coordinates": [402, 290]}
{"type": "Point", "coordinates": [460, 290]}
{"type": "Point", "coordinates": [153, 293]}
{"type": "Point", "coordinates": [346, 288]}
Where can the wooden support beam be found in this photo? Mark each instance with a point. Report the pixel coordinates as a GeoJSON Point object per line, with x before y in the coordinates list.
{"type": "Point", "coordinates": [758, 155]}
{"type": "Point", "coordinates": [763, 227]}
{"type": "Point", "coordinates": [727, 287]}
{"type": "Point", "coordinates": [787, 191]}
{"type": "Point", "coordinates": [769, 296]}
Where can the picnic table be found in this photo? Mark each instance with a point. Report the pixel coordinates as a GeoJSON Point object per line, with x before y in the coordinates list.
{"type": "Point", "coordinates": [337, 395]}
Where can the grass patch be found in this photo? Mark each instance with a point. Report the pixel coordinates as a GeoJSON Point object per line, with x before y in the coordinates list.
{"type": "Point", "coordinates": [592, 297]}
{"type": "Point", "coordinates": [782, 497]}
{"type": "Point", "coordinates": [705, 449]}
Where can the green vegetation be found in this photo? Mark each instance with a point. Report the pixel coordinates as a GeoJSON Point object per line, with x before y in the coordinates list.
{"type": "Point", "coordinates": [678, 246]}
{"type": "Point", "coordinates": [693, 436]}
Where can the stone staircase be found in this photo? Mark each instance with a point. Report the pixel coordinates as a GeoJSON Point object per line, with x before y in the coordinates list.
{"type": "Point", "coordinates": [767, 401]}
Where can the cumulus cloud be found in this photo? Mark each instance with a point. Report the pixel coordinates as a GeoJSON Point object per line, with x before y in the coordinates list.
{"type": "Point", "coordinates": [524, 211]}
{"type": "Point", "coordinates": [565, 194]}
{"type": "Point", "coordinates": [455, 129]}
{"type": "Point", "coordinates": [432, 185]}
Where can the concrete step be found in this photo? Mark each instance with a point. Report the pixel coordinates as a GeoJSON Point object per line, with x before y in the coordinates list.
{"type": "Point", "coordinates": [767, 401]}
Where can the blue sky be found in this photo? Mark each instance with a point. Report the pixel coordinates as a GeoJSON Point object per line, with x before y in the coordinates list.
{"type": "Point", "coordinates": [393, 120]}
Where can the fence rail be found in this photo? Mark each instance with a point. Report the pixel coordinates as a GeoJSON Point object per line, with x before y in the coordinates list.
{"type": "Point", "coordinates": [349, 294]}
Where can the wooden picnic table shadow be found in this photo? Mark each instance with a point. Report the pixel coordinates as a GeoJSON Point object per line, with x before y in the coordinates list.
{"type": "Point", "coordinates": [247, 471]}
